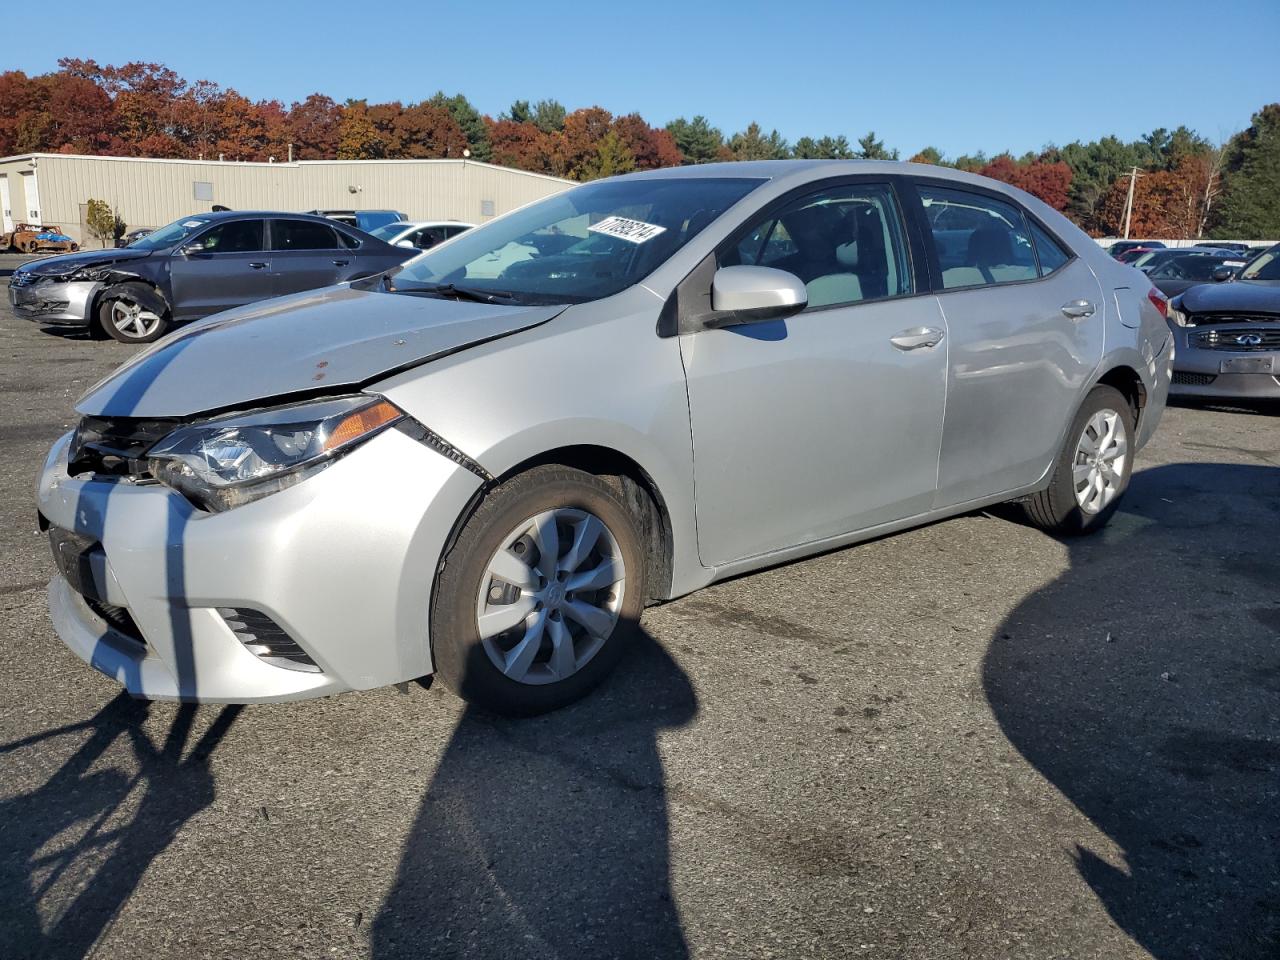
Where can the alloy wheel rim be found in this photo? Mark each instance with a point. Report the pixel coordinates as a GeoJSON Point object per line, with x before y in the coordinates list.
{"type": "Point", "coordinates": [132, 319]}
{"type": "Point", "coordinates": [1098, 468]}
{"type": "Point", "coordinates": [550, 596]}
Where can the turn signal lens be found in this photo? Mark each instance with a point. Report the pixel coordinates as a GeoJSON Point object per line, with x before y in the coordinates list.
{"type": "Point", "coordinates": [357, 424]}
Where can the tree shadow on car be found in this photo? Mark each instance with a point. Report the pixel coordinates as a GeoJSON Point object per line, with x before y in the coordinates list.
{"type": "Point", "coordinates": [548, 837]}
{"type": "Point", "coordinates": [1144, 683]}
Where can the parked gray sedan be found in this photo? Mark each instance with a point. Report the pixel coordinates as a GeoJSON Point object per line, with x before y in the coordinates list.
{"type": "Point", "coordinates": [676, 376]}
{"type": "Point", "coordinates": [191, 268]}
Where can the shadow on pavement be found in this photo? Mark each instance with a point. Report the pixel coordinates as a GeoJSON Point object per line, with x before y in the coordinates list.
{"type": "Point", "coordinates": [548, 837]}
{"type": "Point", "coordinates": [61, 894]}
{"type": "Point", "coordinates": [1166, 735]}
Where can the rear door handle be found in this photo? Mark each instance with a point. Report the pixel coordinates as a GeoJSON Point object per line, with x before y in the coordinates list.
{"type": "Point", "coordinates": [257, 265]}
{"type": "Point", "coordinates": [341, 263]}
{"type": "Point", "coordinates": [917, 337]}
{"type": "Point", "coordinates": [1078, 309]}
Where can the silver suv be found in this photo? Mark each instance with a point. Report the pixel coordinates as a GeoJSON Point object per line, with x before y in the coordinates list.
{"type": "Point", "coordinates": [484, 464]}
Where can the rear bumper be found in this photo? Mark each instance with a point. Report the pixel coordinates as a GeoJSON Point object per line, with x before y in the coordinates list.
{"type": "Point", "coordinates": [69, 303]}
{"type": "Point", "coordinates": [343, 562]}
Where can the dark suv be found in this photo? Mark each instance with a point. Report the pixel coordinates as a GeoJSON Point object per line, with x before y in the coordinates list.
{"type": "Point", "coordinates": [194, 267]}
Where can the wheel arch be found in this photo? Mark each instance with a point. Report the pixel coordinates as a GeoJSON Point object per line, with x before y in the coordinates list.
{"type": "Point", "coordinates": [160, 303]}
{"type": "Point", "coordinates": [639, 491]}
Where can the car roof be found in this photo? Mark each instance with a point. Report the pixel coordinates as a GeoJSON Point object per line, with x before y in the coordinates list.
{"type": "Point", "coordinates": [258, 214]}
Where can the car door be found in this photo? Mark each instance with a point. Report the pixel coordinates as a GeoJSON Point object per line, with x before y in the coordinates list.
{"type": "Point", "coordinates": [306, 254]}
{"type": "Point", "coordinates": [1025, 321]}
{"type": "Point", "coordinates": [828, 421]}
{"type": "Point", "coordinates": [223, 267]}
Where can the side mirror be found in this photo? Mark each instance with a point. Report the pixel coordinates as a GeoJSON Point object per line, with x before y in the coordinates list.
{"type": "Point", "coordinates": [741, 295]}
{"type": "Point", "coordinates": [407, 244]}
{"type": "Point", "coordinates": [1223, 272]}
{"type": "Point", "coordinates": [192, 249]}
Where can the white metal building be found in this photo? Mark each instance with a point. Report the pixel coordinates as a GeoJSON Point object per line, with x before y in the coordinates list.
{"type": "Point", "coordinates": [52, 188]}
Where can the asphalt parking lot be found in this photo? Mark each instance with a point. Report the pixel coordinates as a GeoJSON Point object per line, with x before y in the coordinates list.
{"type": "Point", "coordinates": [969, 740]}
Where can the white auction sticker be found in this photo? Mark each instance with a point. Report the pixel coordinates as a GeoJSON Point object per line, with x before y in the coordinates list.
{"type": "Point", "coordinates": [634, 231]}
{"type": "Point", "coordinates": [192, 224]}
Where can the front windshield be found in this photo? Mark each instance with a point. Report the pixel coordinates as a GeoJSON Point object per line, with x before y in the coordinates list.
{"type": "Point", "coordinates": [584, 244]}
{"type": "Point", "coordinates": [168, 236]}
{"type": "Point", "coordinates": [389, 231]}
{"type": "Point", "coordinates": [1265, 266]}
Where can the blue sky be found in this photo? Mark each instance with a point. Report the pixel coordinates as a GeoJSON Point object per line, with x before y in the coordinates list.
{"type": "Point", "coordinates": [962, 76]}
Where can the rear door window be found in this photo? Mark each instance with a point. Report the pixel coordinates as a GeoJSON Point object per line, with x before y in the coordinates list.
{"type": "Point", "coordinates": [1050, 252]}
{"type": "Point", "coordinates": [980, 241]}
{"type": "Point", "coordinates": [302, 235]}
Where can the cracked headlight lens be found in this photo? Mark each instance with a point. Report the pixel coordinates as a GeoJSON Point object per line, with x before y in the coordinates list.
{"type": "Point", "coordinates": [229, 461]}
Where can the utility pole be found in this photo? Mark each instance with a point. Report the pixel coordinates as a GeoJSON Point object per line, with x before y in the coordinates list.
{"type": "Point", "coordinates": [1128, 204]}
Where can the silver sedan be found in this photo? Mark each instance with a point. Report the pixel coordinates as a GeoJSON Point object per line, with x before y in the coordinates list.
{"type": "Point", "coordinates": [671, 378]}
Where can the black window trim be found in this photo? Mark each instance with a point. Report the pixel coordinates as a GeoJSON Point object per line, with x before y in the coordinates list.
{"type": "Point", "coordinates": [931, 250]}
{"type": "Point", "coordinates": [216, 224]}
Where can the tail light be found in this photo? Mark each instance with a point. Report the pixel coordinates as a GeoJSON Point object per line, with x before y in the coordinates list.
{"type": "Point", "coordinates": [1159, 301]}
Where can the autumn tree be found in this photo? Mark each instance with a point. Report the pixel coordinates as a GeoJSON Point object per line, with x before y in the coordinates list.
{"type": "Point", "coordinates": [357, 136]}
{"type": "Point", "coordinates": [650, 147]}
{"type": "Point", "coordinates": [522, 145]}
{"type": "Point", "coordinates": [583, 131]}
{"type": "Point", "coordinates": [1051, 182]}
{"type": "Point", "coordinates": [313, 128]}
{"type": "Point", "coordinates": [469, 120]}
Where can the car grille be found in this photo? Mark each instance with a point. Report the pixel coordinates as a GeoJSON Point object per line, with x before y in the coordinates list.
{"type": "Point", "coordinates": [1204, 319]}
{"type": "Point", "coordinates": [1193, 379]}
{"type": "Point", "coordinates": [115, 446]}
{"type": "Point", "coordinates": [1237, 339]}
{"type": "Point", "coordinates": [75, 555]}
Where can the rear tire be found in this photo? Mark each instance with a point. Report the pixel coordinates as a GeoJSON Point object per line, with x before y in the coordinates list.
{"type": "Point", "coordinates": [1092, 470]}
{"type": "Point", "coordinates": [129, 313]}
{"type": "Point", "coordinates": [583, 605]}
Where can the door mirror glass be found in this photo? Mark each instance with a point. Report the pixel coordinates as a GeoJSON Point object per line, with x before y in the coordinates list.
{"type": "Point", "coordinates": [192, 249]}
{"type": "Point", "coordinates": [407, 244]}
{"type": "Point", "coordinates": [753, 295]}
{"type": "Point", "coordinates": [1223, 272]}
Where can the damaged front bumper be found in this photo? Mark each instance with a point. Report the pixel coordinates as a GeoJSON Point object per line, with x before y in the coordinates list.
{"type": "Point", "coordinates": [67, 302]}
{"type": "Point", "coordinates": [320, 588]}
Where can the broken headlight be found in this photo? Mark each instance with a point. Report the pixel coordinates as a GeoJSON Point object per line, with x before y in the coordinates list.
{"type": "Point", "coordinates": [223, 463]}
{"type": "Point", "coordinates": [93, 274]}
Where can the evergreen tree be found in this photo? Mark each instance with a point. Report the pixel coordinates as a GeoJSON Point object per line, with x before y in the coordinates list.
{"type": "Point", "coordinates": [548, 116]}
{"type": "Point", "coordinates": [469, 119]}
{"type": "Point", "coordinates": [611, 158]}
{"type": "Point", "coordinates": [869, 148]}
{"type": "Point", "coordinates": [1250, 204]}
{"type": "Point", "coordinates": [697, 139]}
{"type": "Point", "coordinates": [752, 144]}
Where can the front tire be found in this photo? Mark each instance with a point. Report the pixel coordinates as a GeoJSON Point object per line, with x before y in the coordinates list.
{"type": "Point", "coordinates": [1093, 469]}
{"type": "Point", "coordinates": [540, 594]}
{"type": "Point", "coordinates": [128, 313]}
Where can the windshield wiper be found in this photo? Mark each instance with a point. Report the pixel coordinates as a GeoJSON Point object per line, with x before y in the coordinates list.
{"type": "Point", "coordinates": [461, 293]}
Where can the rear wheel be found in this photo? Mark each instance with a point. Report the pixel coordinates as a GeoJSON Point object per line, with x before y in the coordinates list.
{"type": "Point", "coordinates": [128, 313]}
{"type": "Point", "coordinates": [540, 594]}
{"type": "Point", "coordinates": [1093, 469]}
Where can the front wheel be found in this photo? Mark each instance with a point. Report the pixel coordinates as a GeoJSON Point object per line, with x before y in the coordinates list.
{"type": "Point", "coordinates": [540, 593]}
{"type": "Point", "coordinates": [1092, 471]}
{"type": "Point", "coordinates": [128, 313]}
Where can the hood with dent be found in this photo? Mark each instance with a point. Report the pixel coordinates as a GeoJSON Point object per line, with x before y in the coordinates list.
{"type": "Point", "coordinates": [1239, 296]}
{"type": "Point", "coordinates": [66, 263]}
{"type": "Point", "coordinates": [322, 340]}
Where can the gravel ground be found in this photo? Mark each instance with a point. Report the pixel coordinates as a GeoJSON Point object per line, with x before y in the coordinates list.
{"type": "Point", "coordinates": [969, 740]}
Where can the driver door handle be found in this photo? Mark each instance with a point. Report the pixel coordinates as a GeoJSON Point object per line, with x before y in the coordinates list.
{"type": "Point", "coordinates": [1078, 309]}
{"type": "Point", "coordinates": [341, 263]}
{"type": "Point", "coordinates": [917, 337]}
{"type": "Point", "coordinates": [257, 265]}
